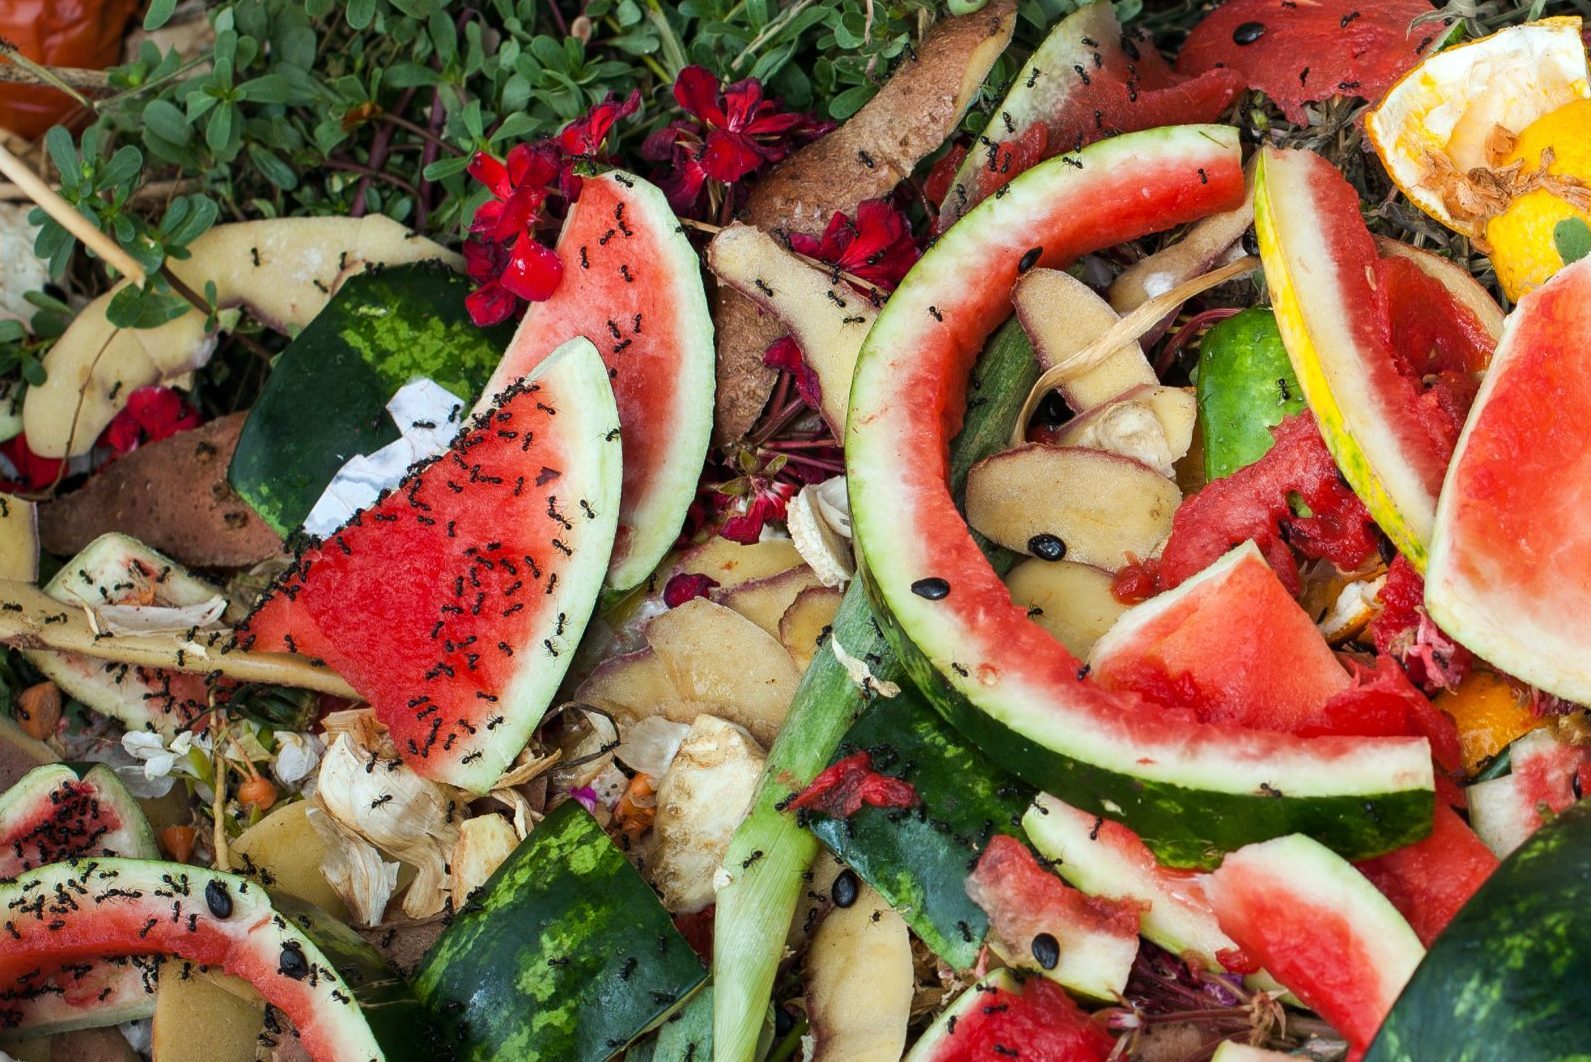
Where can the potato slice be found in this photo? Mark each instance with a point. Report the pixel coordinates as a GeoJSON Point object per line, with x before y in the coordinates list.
{"type": "Point", "coordinates": [730, 563]}
{"type": "Point", "coordinates": [283, 270]}
{"type": "Point", "coordinates": [1151, 424]}
{"type": "Point", "coordinates": [1101, 506]}
{"type": "Point", "coordinates": [1062, 315]}
{"type": "Point", "coordinates": [859, 983]}
{"type": "Point", "coordinates": [828, 319]}
{"type": "Point", "coordinates": [290, 851]}
{"type": "Point", "coordinates": [1072, 601]}
{"type": "Point", "coordinates": [629, 687]}
{"type": "Point", "coordinates": [205, 1017]}
{"type": "Point", "coordinates": [724, 662]}
{"type": "Point", "coordinates": [700, 801]}
{"type": "Point", "coordinates": [765, 601]}
{"type": "Point", "coordinates": [804, 622]}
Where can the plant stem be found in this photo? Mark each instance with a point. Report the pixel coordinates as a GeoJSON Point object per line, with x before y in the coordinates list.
{"type": "Point", "coordinates": [420, 131]}
{"type": "Point", "coordinates": [19, 68]}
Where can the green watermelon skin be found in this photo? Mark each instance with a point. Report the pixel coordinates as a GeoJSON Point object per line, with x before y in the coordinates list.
{"type": "Point", "coordinates": [564, 954]}
{"type": "Point", "coordinates": [1506, 981]}
{"type": "Point", "coordinates": [326, 397]}
{"type": "Point", "coordinates": [454, 605]}
{"type": "Point", "coordinates": [917, 859]}
{"type": "Point", "coordinates": [1246, 387]}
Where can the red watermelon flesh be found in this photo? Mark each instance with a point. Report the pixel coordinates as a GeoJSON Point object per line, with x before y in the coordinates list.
{"type": "Point", "coordinates": [1311, 50]}
{"type": "Point", "coordinates": [1509, 566]}
{"type": "Point", "coordinates": [1097, 936]}
{"type": "Point", "coordinates": [1087, 81]}
{"type": "Point", "coordinates": [1431, 879]}
{"type": "Point", "coordinates": [1320, 928]}
{"type": "Point", "coordinates": [1256, 503]}
{"type": "Point", "coordinates": [455, 603]}
{"type": "Point", "coordinates": [1032, 1020]}
{"type": "Point", "coordinates": [632, 285]}
{"type": "Point", "coordinates": [1231, 645]}
{"type": "Point", "coordinates": [1545, 778]}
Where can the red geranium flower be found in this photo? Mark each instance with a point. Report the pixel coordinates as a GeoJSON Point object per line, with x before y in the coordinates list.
{"type": "Point", "coordinates": [735, 132]}
{"type": "Point", "coordinates": [876, 247]}
{"type": "Point", "coordinates": [585, 136]}
{"type": "Point", "coordinates": [151, 414]}
{"type": "Point", "coordinates": [785, 353]}
{"type": "Point", "coordinates": [754, 498]}
{"type": "Point", "coordinates": [503, 256]}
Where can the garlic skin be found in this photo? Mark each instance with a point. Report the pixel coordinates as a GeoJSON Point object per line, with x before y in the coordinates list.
{"type": "Point", "coordinates": [819, 519]}
{"type": "Point", "coordinates": [406, 816]}
{"type": "Point", "coordinates": [355, 869]}
{"type": "Point", "coordinates": [484, 842]}
{"type": "Point", "coordinates": [700, 801]}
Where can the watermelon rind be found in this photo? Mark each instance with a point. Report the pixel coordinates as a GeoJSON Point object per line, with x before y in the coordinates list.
{"type": "Point", "coordinates": [1506, 980]}
{"type": "Point", "coordinates": [342, 998]}
{"type": "Point", "coordinates": [939, 1033]}
{"type": "Point", "coordinates": [1191, 792]}
{"type": "Point", "coordinates": [1246, 387]}
{"type": "Point", "coordinates": [37, 791]}
{"type": "Point", "coordinates": [649, 523]}
{"type": "Point", "coordinates": [917, 859]}
{"type": "Point", "coordinates": [98, 575]}
{"type": "Point", "coordinates": [564, 953]}
{"type": "Point", "coordinates": [1472, 592]}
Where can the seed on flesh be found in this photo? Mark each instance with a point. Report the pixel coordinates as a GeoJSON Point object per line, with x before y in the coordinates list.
{"type": "Point", "coordinates": [1046, 546]}
{"type": "Point", "coordinates": [218, 899]}
{"type": "Point", "coordinates": [1046, 951]}
{"type": "Point", "coordinates": [1248, 32]}
{"type": "Point", "coordinates": [846, 888]}
{"type": "Point", "coordinates": [933, 588]}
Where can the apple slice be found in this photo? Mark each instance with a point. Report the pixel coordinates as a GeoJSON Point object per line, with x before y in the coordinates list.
{"type": "Point", "coordinates": [282, 270]}
{"type": "Point", "coordinates": [805, 621]}
{"type": "Point", "coordinates": [725, 664]}
{"type": "Point", "coordinates": [1101, 506]}
{"type": "Point", "coordinates": [729, 563]}
{"type": "Point", "coordinates": [1062, 315]}
{"type": "Point", "coordinates": [764, 601]}
{"type": "Point", "coordinates": [1072, 601]}
{"type": "Point", "coordinates": [1152, 424]}
{"type": "Point", "coordinates": [826, 316]}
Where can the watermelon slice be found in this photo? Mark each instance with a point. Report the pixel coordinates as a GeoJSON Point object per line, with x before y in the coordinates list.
{"type": "Point", "coordinates": [1229, 645]}
{"type": "Point", "coordinates": [1431, 879]}
{"type": "Point", "coordinates": [1545, 778]}
{"type": "Point", "coordinates": [632, 285]}
{"type": "Point", "coordinates": [1320, 928]}
{"type": "Point", "coordinates": [340, 996]}
{"type": "Point", "coordinates": [1189, 790]}
{"type": "Point", "coordinates": [1297, 53]}
{"type": "Point", "coordinates": [1105, 858]}
{"type": "Point", "coordinates": [1509, 565]}
{"type": "Point", "coordinates": [54, 813]}
{"type": "Point", "coordinates": [1006, 1016]}
{"type": "Point", "coordinates": [1088, 80]}
{"type": "Point", "coordinates": [1386, 356]}
{"type": "Point", "coordinates": [1039, 923]}
{"type": "Point", "coordinates": [454, 605]}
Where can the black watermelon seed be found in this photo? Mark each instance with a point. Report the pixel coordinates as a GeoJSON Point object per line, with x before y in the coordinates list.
{"type": "Point", "coordinates": [1029, 260]}
{"type": "Point", "coordinates": [933, 588]}
{"type": "Point", "coordinates": [846, 888]}
{"type": "Point", "coordinates": [218, 899]}
{"type": "Point", "coordinates": [1046, 546]}
{"type": "Point", "coordinates": [1248, 32]}
{"type": "Point", "coordinates": [1046, 950]}
{"type": "Point", "coordinates": [292, 963]}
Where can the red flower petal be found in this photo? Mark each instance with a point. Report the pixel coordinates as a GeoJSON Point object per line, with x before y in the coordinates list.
{"type": "Point", "coordinates": [685, 586]}
{"type": "Point", "coordinates": [533, 271]}
{"type": "Point", "coordinates": [785, 353]}
{"type": "Point", "coordinates": [492, 173]}
{"type": "Point", "coordinates": [585, 135]}
{"type": "Point", "coordinates": [729, 156]}
{"type": "Point", "coordinates": [34, 473]}
{"type": "Point", "coordinates": [696, 89]}
{"type": "Point", "coordinates": [742, 101]}
{"type": "Point", "coordinates": [151, 414]}
{"type": "Point", "coordinates": [490, 304]}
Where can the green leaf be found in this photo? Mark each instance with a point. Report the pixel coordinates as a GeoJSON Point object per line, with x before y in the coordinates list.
{"type": "Point", "coordinates": [159, 13]}
{"type": "Point", "coordinates": [33, 371]}
{"type": "Point", "coordinates": [273, 167]}
{"type": "Point", "coordinates": [63, 154]}
{"type": "Point", "coordinates": [143, 307]}
{"type": "Point", "coordinates": [1573, 238]}
{"type": "Point", "coordinates": [218, 132]}
{"type": "Point", "coordinates": [850, 101]}
{"type": "Point", "coordinates": [360, 12]}
{"type": "Point", "coordinates": [279, 88]}
{"type": "Point", "coordinates": [163, 119]}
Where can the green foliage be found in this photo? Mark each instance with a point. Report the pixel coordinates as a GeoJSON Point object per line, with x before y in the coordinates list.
{"type": "Point", "coordinates": [1573, 239]}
